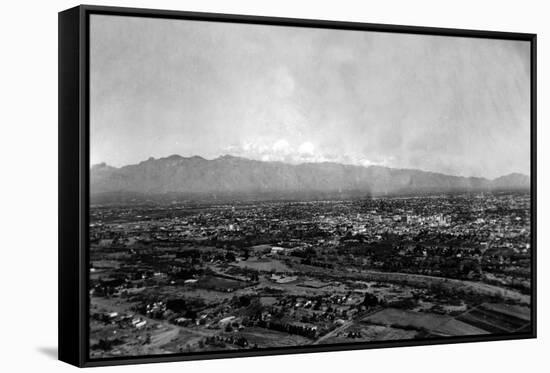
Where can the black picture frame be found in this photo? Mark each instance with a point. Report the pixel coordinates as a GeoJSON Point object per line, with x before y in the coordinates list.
{"type": "Point", "coordinates": [74, 180]}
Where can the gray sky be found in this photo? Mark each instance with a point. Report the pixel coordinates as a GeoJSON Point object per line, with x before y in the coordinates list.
{"type": "Point", "coordinates": [453, 105]}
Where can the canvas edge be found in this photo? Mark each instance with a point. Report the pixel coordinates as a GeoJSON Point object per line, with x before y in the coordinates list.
{"type": "Point", "coordinates": [74, 168]}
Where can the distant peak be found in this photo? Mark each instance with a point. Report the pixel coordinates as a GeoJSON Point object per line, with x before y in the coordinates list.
{"type": "Point", "coordinates": [101, 165]}
{"type": "Point", "coordinates": [513, 175]}
{"type": "Point", "coordinates": [229, 157]}
{"type": "Point", "coordinates": [177, 157]}
{"type": "Point", "coordinates": [174, 157]}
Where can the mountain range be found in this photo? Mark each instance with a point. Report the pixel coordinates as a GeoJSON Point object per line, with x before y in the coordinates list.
{"type": "Point", "coordinates": [237, 176]}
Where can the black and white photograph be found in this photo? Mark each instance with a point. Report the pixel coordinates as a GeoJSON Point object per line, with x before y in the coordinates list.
{"type": "Point", "coordinates": [275, 186]}
{"type": "Point", "coordinates": [258, 186]}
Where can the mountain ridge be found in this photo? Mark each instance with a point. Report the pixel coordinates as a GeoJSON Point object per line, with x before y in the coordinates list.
{"type": "Point", "coordinates": [230, 174]}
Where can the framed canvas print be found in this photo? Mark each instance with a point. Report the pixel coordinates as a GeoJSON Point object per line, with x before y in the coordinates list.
{"type": "Point", "coordinates": [235, 186]}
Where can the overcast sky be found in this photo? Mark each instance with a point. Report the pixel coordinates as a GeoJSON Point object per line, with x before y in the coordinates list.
{"type": "Point", "coordinates": [453, 105]}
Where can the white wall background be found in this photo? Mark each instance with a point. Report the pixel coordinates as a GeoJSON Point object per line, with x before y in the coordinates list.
{"type": "Point", "coordinates": [28, 187]}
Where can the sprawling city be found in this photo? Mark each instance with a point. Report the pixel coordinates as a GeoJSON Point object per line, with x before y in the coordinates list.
{"type": "Point", "coordinates": [202, 276]}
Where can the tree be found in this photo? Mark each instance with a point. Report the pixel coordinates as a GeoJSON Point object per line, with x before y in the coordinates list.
{"type": "Point", "coordinates": [230, 257]}
{"type": "Point", "coordinates": [370, 300]}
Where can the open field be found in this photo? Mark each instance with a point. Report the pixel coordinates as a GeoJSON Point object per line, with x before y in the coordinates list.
{"type": "Point", "coordinates": [265, 265]}
{"type": "Point", "coordinates": [219, 284]}
{"type": "Point", "coordinates": [271, 338]}
{"type": "Point", "coordinates": [498, 318]}
{"type": "Point", "coordinates": [369, 333]}
{"type": "Point", "coordinates": [436, 324]}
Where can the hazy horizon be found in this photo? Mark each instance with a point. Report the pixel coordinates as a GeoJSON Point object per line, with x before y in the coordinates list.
{"type": "Point", "coordinates": [451, 105]}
